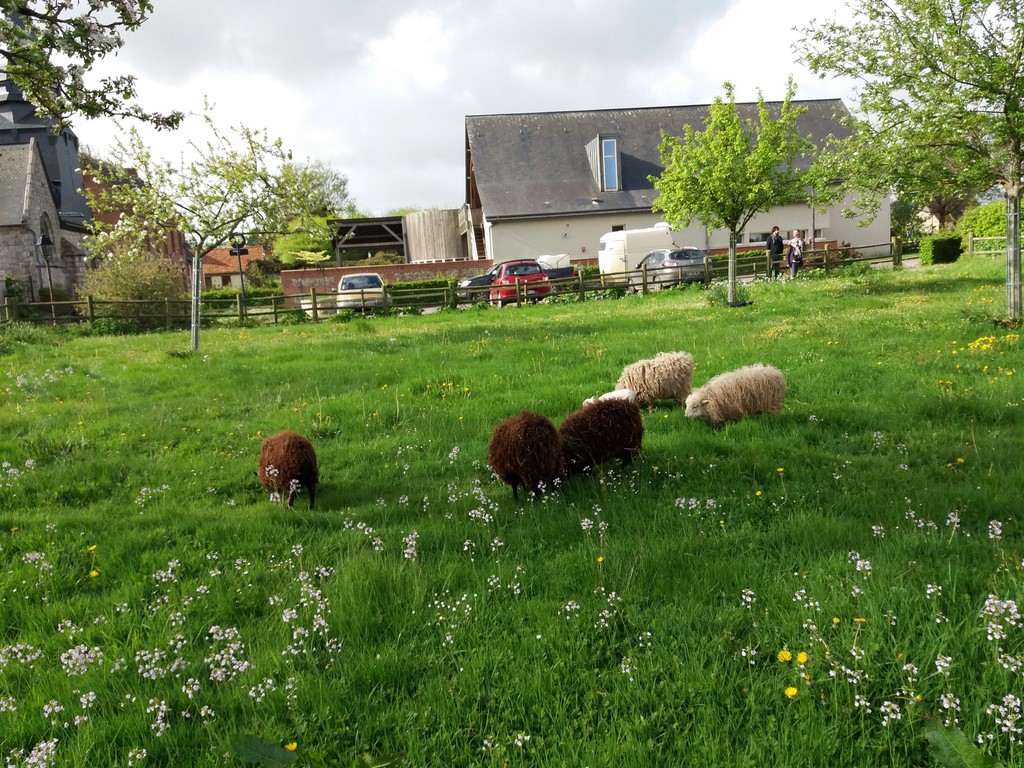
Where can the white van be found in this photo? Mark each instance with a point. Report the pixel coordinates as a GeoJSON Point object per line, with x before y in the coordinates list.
{"type": "Point", "coordinates": [620, 252]}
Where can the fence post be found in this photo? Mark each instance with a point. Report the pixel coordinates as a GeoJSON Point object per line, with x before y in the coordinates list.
{"type": "Point", "coordinates": [897, 251]}
{"type": "Point", "coordinates": [312, 301]}
{"type": "Point", "coordinates": [12, 308]}
{"type": "Point", "coordinates": [970, 243]}
{"type": "Point", "coordinates": [273, 307]}
{"type": "Point", "coordinates": [582, 283]}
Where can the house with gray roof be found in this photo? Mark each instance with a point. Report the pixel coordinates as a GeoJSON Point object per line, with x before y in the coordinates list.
{"type": "Point", "coordinates": [554, 182]}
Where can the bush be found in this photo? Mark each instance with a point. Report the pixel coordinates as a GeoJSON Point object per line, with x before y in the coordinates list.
{"type": "Point", "coordinates": [113, 326]}
{"type": "Point", "coordinates": [987, 220]}
{"type": "Point", "coordinates": [941, 249]}
{"type": "Point", "coordinates": [148, 278]}
{"type": "Point", "coordinates": [718, 294]}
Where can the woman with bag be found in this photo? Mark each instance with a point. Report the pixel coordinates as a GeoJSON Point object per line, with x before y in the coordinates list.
{"type": "Point", "coordinates": [795, 253]}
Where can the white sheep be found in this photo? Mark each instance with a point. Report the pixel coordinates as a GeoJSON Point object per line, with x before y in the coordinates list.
{"type": "Point", "coordinates": [732, 395]}
{"type": "Point", "coordinates": [618, 394]}
{"type": "Point", "coordinates": [666, 376]}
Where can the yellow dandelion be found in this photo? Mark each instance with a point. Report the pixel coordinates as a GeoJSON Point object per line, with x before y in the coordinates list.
{"type": "Point", "coordinates": [291, 746]}
{"type": "Point", "coordinates": [959, 460]}
{"type": "Point", "coordinates": [790, 692]}
{"type": "Point", "coordinates": [801, 658]}
{"type": "Point", "coordinates": [600, 559]}
{"type": "Point", "coordinates": [918, 697]}
{"type": "Point", "coordinates": [835, 621]}
{"type": "Point", "coordinates": [94, 573]}
{"type": "Point", "coordinates": [92, 547]}
{"type": "Point", "coordinates": [783, 656]}
{"type": "Point", "coordinates": [859, 621]}
{"type": "Point", "coordinates": [780, 470]}
{"type": "Point", "coordinates": [757, 493]}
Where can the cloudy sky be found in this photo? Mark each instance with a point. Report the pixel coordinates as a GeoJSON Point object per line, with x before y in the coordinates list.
{"type": "Point", "coordinates": [380, 90]}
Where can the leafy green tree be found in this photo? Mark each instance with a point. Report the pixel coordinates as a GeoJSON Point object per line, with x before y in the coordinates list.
{"type": "Point", "coordinates": [311, 236]}
{"type": "Point", "coordinates": [936, 80]}
{"type": "Point", "coordinates": [49, 46]}
{"type": "Point", "coordinates": [320, 190]}
{"type": "Point", "coordinates": [988, 220]}
{"type": "Point", "coordinates": [732, 169]}
{"type": "Point", "coordinates": [232, 184]}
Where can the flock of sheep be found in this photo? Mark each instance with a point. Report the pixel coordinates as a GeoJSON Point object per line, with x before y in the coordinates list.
{"type": "Point", "coordinates": [528, 450]}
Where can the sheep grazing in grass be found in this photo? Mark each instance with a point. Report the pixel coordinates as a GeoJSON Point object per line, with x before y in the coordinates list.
{"type": "Point", "coordinates": [599, 432]}
{"type": "Point", "coordinates": [526, 450]}
{"type": "Point", "coordinates": [732, 395]}
{"type": "Point", "coordinates": [618, 394]}
{"type": "Point", "coordinates": [666, 376]}
{"type": "Point", "coordinates": [287, 463]}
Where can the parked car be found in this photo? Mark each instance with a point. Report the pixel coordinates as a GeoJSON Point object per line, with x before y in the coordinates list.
{"type": "Point", "coordinates": [476, 288]}
{"type": "Point", "coordinates": [669, 266]}
{"type": "Point", "coordinates": [528, 273]}
{"type": "Point", "coordinates": [362, 290]}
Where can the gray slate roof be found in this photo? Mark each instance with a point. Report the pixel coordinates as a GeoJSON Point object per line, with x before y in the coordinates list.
{"type": "Point", "coordinates": [535, 164]}
{"type": "Point", "coordinates": [14, 167]}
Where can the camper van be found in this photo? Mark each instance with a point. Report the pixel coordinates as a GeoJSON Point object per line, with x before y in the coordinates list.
{"type": "Point", "coordinates": [620, 252]}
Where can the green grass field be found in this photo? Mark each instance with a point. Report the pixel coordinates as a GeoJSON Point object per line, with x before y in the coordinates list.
{"type": "Point", "coordinates": [827, 586]}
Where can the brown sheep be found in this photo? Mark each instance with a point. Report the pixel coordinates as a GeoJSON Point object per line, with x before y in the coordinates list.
{"type": "Point", "coordinates": [287, 463]}
{"type": "Point", "coordinates": [601, 431]}
{"type": "Point", "coordinates": [526, 450]}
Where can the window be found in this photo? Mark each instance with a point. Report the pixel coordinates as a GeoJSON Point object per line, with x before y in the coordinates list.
{"type": "Point", "coordinates": [758, 237]}
{"type": "Point", "coordinates": [609, 165]}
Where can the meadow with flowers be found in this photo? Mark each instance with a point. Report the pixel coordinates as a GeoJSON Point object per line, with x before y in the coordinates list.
{"type": "Point", "coordinates": [840, 584]}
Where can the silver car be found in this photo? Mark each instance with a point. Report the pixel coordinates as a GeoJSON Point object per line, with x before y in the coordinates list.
{"type": "Point", "coordinates": [666, 267]}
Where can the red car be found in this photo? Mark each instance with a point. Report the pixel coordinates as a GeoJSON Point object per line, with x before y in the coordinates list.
{"type": "Point", "coordinates": [533, 282]}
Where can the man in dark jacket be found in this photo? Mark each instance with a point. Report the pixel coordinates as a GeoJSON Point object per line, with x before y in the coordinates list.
{"type": "Point", "coordinates": [774, 245]}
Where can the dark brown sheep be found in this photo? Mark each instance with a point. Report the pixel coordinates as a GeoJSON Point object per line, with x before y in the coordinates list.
{"type": "Point", "coordinates": [287, 463]}
{"type": "Point", "coordinates": [599, 432]}
{"type": "Point", "coordinates": [526, 450]}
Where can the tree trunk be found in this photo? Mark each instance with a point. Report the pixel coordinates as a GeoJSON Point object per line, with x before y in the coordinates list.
{"type": "Point", "coordinates": [1013, 293]}
{"type": "Point", "coordinates": [197, 290]}
{"type": "Point", "coordinates": [732, 267]}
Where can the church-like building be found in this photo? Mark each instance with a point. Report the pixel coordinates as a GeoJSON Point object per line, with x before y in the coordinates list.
{"type": "Point", "coordinates": [44, 214]}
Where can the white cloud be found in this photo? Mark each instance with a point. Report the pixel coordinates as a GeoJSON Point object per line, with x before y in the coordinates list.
{"type": "Point", "coordinates": [381, 90]}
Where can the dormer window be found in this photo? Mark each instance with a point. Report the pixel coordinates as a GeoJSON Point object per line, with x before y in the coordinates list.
{"type": "Point", "coordinates": [603, 152]}
{"type": "Point", "coordinates": [609, 164]}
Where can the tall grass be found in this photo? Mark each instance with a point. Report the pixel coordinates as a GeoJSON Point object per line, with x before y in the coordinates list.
{"type": "Point", "coordinates": [813, 588]}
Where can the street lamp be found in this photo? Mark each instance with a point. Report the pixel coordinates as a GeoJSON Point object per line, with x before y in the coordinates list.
{"type": "Point", "coordinates": [239, 250]}
{"type": "Point", "coordinates": [45, 245]}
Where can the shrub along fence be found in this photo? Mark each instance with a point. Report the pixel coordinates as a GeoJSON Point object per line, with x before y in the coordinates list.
{"type": "Point", "coordinates": [413, 298]}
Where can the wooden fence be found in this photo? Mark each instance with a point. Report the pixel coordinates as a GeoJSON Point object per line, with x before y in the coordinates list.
{"type": "Point", "coordinates": [986, 245]}
{"type": "Point", "coordinates": [322, 306]}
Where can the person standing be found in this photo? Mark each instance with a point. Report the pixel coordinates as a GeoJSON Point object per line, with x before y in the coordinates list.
{"type": "Point", "coordinates": [774, 245]}
{"type": "Point", "coordinates": [795, 253]}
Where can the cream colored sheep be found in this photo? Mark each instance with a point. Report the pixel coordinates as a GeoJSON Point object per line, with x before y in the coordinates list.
{"type": "Point", "coordinates": [732, 395]}
{"type": "Point", "coordinates": [619, 394]}
{"type": "Point", "coordinates": [666, 376]}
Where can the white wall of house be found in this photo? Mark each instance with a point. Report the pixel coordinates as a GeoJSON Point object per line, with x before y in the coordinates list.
{"type": "Point", "coordinates": [578, 236]}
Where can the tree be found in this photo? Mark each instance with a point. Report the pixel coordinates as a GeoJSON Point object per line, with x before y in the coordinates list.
{"type": "Point", "coordinates": [232, 185]}
{"type": "Point", "coordinates": [320, 190]}
{"type": "Point", "coordinates": [49, 46]}
{"type": "Point", "coordinates": [732, 169]}
{"type": "Point", "coordinates": [937, 79]}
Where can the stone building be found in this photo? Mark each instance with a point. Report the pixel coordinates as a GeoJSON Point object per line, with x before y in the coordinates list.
{"type": "Point", "coordinates": [40, 201]}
